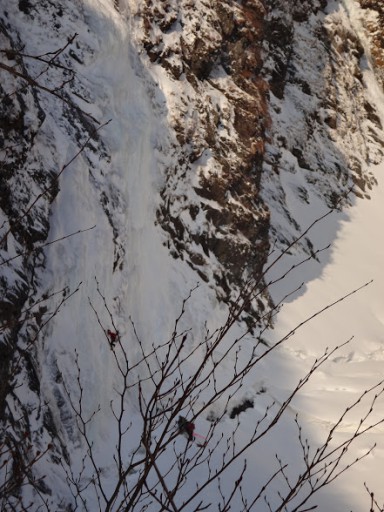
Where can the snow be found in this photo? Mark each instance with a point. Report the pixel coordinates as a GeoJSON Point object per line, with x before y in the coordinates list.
{"type": "Point", "coordinates": [141, 281]}
{"type": "Point", "coordinates": [355, 258]}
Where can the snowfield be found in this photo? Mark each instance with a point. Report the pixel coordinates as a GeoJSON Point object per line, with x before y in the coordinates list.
{"type": "Point", "coordinates": [355, 259]}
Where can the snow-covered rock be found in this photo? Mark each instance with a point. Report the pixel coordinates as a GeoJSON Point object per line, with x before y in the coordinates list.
{"type": "Point", "coordinates": [147, 147]}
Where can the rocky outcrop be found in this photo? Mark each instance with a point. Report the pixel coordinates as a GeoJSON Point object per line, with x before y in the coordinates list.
{"type": "Point", "coordinates": [374, 24]}
{"type": "Point", "coordinates": [240, 70]}
{"type": "Point", "coordinates": [32, 160]}
{"type": "Point", "coordinates": [21, 119]}
{"type": "Point", "coordinates": [325, 132]}
{"type": "Point", "coordinates": [211, 204]}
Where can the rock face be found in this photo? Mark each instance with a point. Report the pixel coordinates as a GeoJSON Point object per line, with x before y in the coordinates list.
{"type": "Point", "coordinates": [33, 156]}
{"type": "Point", "coordinates": [211, 201]}
{"type": "Point", "coordinates": [374, 24]}
{"type": "Point", "coordinates": [325, 132]}
{"type": "Point", "coordinates": [27, 187]}
{"type": "Point", "coordinates": [22, 227]}
{"type": "Point", "coordinates": [254, 101]}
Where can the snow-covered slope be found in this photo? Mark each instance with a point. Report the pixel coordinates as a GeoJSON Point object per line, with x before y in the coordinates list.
{"type": "Point", "coordinates": [232, 127]}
